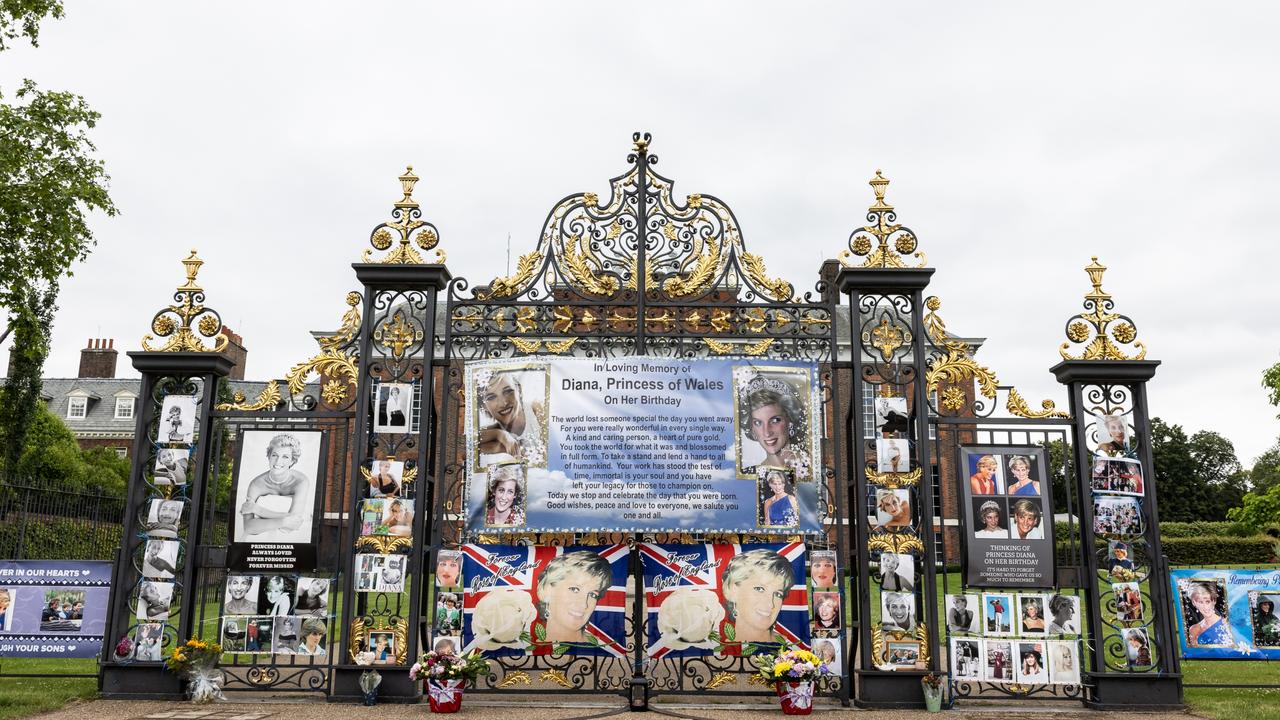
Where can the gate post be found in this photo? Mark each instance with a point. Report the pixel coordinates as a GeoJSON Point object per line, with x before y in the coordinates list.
{"type": "Point", "coordinates": [182, 366]}
{"type": "Point", "coordinates": [1107, 386]}
{"type": "Point", "coordinates": [887, 349]}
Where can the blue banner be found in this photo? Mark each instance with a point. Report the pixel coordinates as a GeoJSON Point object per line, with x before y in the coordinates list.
{"type": "Point", "coordinates": [53, 608]}
{"type": "Point", "coordinates": [1227, 614]}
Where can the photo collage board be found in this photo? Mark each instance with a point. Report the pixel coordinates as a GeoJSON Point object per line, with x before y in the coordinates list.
{"type": "Point", "coordinates": [1001, 636]}
{"type": "Point", "coordinates": [275, 614]}
{"type": "Point", "coordinates": [162, 517]}
{"type": "Point", "coordinates": [1227, 613]}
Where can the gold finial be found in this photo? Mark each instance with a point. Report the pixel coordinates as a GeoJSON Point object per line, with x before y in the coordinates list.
{"type": "Point", "coordinates": [412, 231]}
{"type": "Point", "coordinates": [883, 243]}
{"type": "Point", "coordinates": [188, 316]}
{"type": "Point", "coordinates": [641, 142]}
{"type": "Point", "coordinates": [1097, 327]}
{"type": "Point", "coordinates": [879, 184]}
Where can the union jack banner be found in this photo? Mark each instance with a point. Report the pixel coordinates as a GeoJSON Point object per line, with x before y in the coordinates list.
{"type": "Point", "coordinates": [528, 600]}
{"type": "Point", "coordinates": [724, 599]}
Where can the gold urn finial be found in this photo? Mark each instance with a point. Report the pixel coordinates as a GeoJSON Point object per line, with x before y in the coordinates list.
{"type": "Point", "coordinates": [879, 184]}
{"type": "Point", "coordinates": [884, 243]}
{"type": "Point", "coordinates": [1098, 327]}
{"type": "Point", "coordinates": [187, 320]}
{"type": "Point", "coordinates": [406, 223]}
{"type": "Point", "coordinates": [407, 181]}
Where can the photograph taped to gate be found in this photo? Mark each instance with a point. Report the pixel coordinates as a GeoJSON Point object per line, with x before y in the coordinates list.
{"type": "Point", "coordinates": [148, 642]}
{"type": "Point", "coordinates": [966, 658]}
{"type": "Point", "coordinates": [1117, 515]}
{"type": "Point", "coordinates": [234, 632]}
{"type": "Point", "coordinates": [512, 407]}
{"type": "Point", "coordinates": [997, 613]}
{"type": "Point", "coordinates": [171, 466]}
{"type": "Point", "coordinates": [312, 598]}
{"type": "Point", "coordinates": [964, 613]}
{"type": "Point", "coordinates": [823, 569]}
{"type": "Point", "coordinates": [830, 652]}
{"type": "Point", "coordinates": [177, 420]}
{"type": "Point", "coordinates": [898, 612]}
{"type": "Point", "coordinates": [1031, 668]}
{"type": "Point", "coordinates": [1137, 647]}
{"type": "Point", "coordinates": [506, 494]}
{"type": "Point", "coordinates": [160, 559]}
{"type": "Point", "coordinates": [1128, 597]}
{"type": "Point", "coordinates": [897, 572]}
{"type": "Point", "coordinates": [163, 517]}
{"type": "Point", "coordinates": [241, 597]}
{"type": "Point", "coordinates": [448, 615]}
{"type": "Point", "coordinates": [285, 641]}
{"type": "Point", "coordinates": [999, 660]}
{"type": "Point", "coordinates": [1064, 662]}
{"type": "Point", "coordinates": [772, 406]}
{"type": "Point", "coordinates": [1031, 614]}
{"type": "Point", "coordinates": [276, 486]}
{"type": "Point", "coordinates": [259, 632]}
{"type": "Point", "coordinates": [1064, 615]}
{"type": "Point", "coordinates": [449, 569]}
{"type": "Point", "coordinates": [385, 479]}
{"type": "Point", "coordinates": [891, 417]}
{"type": "Point", "coordinates": [394, 402]}
{"type": "Point", "coordinates": [893, 455]}
{"type": "Point", "coordinates": [448, 645]}
{"type": "Point", "coordinates": [1119, 476]}
{"type": "Point", "coordinates": [277, 595]}
{"type": "Point", "coordinates": [777, 506]}
{"type": "Point", "coordinates": [154, 599]}
{"type": "Point", "coordinates": [382, 643]}
{"type": "Point", "coordinates": [902, 654]}
{"type": "Point", "coordinates": [826, 613]}
{"type": "Point", "coordinates": [893, 509]}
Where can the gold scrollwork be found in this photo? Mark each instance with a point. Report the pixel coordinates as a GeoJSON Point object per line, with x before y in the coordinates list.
{"type": "Point", "coordinates": [581, 272]}
{"type": "Point", "coordinates": [397, 334]}
{"type": "Point", "coordinates": [893, 480]}
{"type": "Point", "coordinates": [755, 349]}
{"type": "Point", "coordinates": [357, 637]}
{"type": "Point", "coordinates": [702, 275]}
{"type": "Point", "coordinates": [1017, 405]}
{"type": "Point", "coordinates": [887, 337]}
{"type": "Point", "coordinates": [777, 288]}
{"type": "Point", "coordinates": [561, 346]}
{"type": "Point", "coordinates": [329, 362]}
{"type": "Point", "coordinates": [893, 241]}
{"type": "Point", "coordinates": [190, 306]}
{"type": "Point", "coordinates": [267, 399]}
{"type": "Point", "coordinates": [720, 678]}
{"type": "Point", "coordinates": [530, 347]}
{"type": "Point", "coordinates": [518, 677]}
{"type": "Point", "coordinates": [755, 679]}
{"type": "Point", "coordinates": [350, 325]}
{"type": "Point", "coordinates": [894, 542]}
{"type": "Point", "coordinates": [557, 677]}
{"type": "Point", "coordinates": [425, 237]}
{"type": "Point", "coordinates": [400, 631]}
{"type": "Point", "coordinates": [383, 544]}
{"type": "Point", "coordinates": [1097, 303]}
{"type": "Point", "coordinates": [526, 267]}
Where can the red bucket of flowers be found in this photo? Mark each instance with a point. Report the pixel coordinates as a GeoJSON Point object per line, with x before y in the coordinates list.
{"type": "Point", "coordinates": [444, 675]}
{"type": "Point", "coordinates": [793, 673]}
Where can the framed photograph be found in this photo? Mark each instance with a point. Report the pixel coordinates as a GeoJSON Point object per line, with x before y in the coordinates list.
{"type": "Point", "coordinates": [241, 597]}
{"type": "Point", "coordinates": [1128, 601]}
{"type": "Point", "coordinates": [773, 407]}
{"type": "Point", "coordinates": [964, 613]}
{"type": "Point", "coordinates": [893, 508]}
{"type": "Point", "coordinates": [394, 408]}
{"type": "Point", "coordinates": [1064, 662]}
{"type": "Point", "coordinates": [506, 495]}
{"type": "Point", "coordinates": [897, 572]}
{"type": "Point", "coordinates": [285, 640]}
{"type": "Point", "coordinates": [160, 559]}
{"type": "Point", "coordinates": [512, 405]}
{"type": "Point", "coordinates": [1114, 437]}
{"type": "Point", "coordinates": [1263, 617]}
{"type": "Point", "coordinates": [991, 515]}
{"type": "Point", "coordinates": [448, 620]}
{"type": "Point", "coordinates": [776, 503]}
{"type": "Point", "coordinates": [966, 658]}
{"type": "Point", "coordinates": [891, 417]}
{"type": "Point", "coordinates": [823, 569]}
{"type": "Point", "coordinates": [277, 595]}
{"type": "Point", "coordinates": [829, 652]}
{"type": "Point", "coordinates": [275, 488]}
{"type": "Point", "coordinates": [826, 613]}
{"type": "Point", "coordinates": [380, 573]}
{"type": "Point", "coordinates": [448, 645]}
{"type": "Point", "coordinates": [383, 645]}
{"type": "Point", "coordinates": [1121, 476]}
{"type": "Point", "coordinates": [893, 455]}
{"type": "Point", "coordinates": [258, 634]}
{"type": "Point", "coordinates": [898, 612]}
{"type": "Point", "coordinates": [154, 599]}
{"type": "Point", "coordinates": [903, 654]}
{"type": "Point", "coordinates": [312, 640]}
{"type": "Point", "coordinates": [1205, 613]}
{"type": "Point", "coordinates": [384, 478]}
{"type": "Point", "coordinates": [1117, 515]}
{"type": "Point", "coordinates": [1031, 620]}
{"type": "Point", "coordinates": [1120, 561]}
{"type": "Point", "coordinates": [312, 598]}
{"type": "Point", "coordinates": [177, 420]}
{"type": "Point", "coordinates": [1137, 647]}
{"type": "Point", "coordinates": [148, 642]}
{"type": "Point", "coordinates": [1025, 477]}
{"type": "Point", "coordinates": [8, 606]}
{"type": "Point", "coordinates": [1026, 517]}
{"type": "Point", "coordinates": [1000, 662]}
{"type": "Point", "coordinates": [233, 633]}
{"type": "Point", "coordinates": [997, 613]}
{"type": "Point", "coordinates": [449, 569]}
{"type": "Point", "coordinates": [1064, 614]}
{"type": "Point", "coordinates": [163, 517]}
{"type": "Point", "coordinates": [171, 466]}
{"type": "Point", "coordinates": [1031, 668]}
{"type": "Point", "coordinates": [63, 610]}
{"type": "Point", "coordinates": [986, 474]}
{"type": "Point", "coordinates": [398, 519]}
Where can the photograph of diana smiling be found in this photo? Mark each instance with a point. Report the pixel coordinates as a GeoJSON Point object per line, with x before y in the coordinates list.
{"type": "Point", "coordinates": [568, 591]}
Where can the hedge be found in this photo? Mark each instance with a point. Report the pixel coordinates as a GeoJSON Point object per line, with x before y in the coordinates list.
{"type": "Point", "coordinates": [1203, 529]}
{"type": "Point", "coordinates": [1258, 549]}
{"type": "Point", "coordinates": [59, 539]}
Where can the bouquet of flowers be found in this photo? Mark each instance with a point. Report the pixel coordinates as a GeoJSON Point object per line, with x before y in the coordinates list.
{"type": "Point", "coordinates": [445, 666]}
{"type": "Point", "coordinates": [791, 665]}
{"type": "Point", "coordinates": [932, 681]}
{"type": "Point", "coordinates": [197, 660]}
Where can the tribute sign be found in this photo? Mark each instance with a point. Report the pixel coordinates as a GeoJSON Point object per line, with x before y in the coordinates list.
{"type": "Point", "coordinates": [53, 608]}
{"type": "Point", "coordinates": [1008, 513]}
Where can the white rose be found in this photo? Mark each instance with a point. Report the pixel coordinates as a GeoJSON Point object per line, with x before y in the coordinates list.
{"type": "Point", "coordinates": [687, 617]}
{"type": "Point", "coordinates": [499, 618]}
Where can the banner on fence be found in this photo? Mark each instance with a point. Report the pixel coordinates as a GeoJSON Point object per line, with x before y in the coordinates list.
{"type": "Point", "coordinates": [1005, 500]}
{"type": "Point", "coordinates": [1227, 614]}
{"type": "Point", "coordinates": [642, 444]}
{"type": "Point", "coordinates": [53, 608]}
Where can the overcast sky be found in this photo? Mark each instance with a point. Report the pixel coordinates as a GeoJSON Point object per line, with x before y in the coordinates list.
{"type": "Point", "coordinates": [1020, 138]}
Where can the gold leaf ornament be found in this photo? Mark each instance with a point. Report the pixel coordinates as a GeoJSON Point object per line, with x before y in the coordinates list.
{"type": "Point", "coordinates": [188, 316]}
{"type": "Point", "coordinates": [1098, 305]}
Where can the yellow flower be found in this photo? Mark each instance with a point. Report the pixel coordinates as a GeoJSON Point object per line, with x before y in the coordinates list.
{"type": "Point", "coordinates": [782, 667]}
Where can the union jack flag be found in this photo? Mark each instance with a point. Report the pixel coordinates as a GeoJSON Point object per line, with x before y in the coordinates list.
{"type": "Point", "coordinates": [582, 610]}
{"type": "Point", "coordinates": [693, 610]}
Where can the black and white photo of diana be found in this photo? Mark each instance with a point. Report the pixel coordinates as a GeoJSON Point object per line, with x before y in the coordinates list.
{"type": "Point", "coordinates": [394, 408]}
{"type": "Point", "coordinates": [177, 420]}
{"type": "Point", "coordinates": [276, 486]}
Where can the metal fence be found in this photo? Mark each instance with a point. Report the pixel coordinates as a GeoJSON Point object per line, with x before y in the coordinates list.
{"type": "Point", "coordinates": [39, 523]}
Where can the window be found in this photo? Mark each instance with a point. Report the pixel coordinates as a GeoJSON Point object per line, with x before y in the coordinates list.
{"type": "Point", "coordinates": [77, 407]}
{"type": "Point", "coordinates": [124, 409]}
{"type": "Point", "coordinates": [122, 452]}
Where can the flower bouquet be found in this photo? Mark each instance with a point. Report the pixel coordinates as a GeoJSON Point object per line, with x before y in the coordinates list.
{"type": "Point", "coordinates": [197, 661]}
{"type": "Point", "coordinates": [445, 675]}
{"type": "Point", "coordinates": [793, 673]}
{"type": "Point", "coordinates": [932, 684]}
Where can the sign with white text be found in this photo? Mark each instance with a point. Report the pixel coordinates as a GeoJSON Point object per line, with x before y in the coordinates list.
{"type": "Point", "coordinates": [53, 608]}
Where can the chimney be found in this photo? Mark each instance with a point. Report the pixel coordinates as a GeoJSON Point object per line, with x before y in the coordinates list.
{"type": "Point", "coordinates": [235, 350]}
{"type": "Point", "coordinates": [98, 360]}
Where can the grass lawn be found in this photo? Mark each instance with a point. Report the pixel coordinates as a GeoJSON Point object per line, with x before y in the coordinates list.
{"type": "Point", "coordinates": [1233, 703]}
{"type": "Point", "coordinates": [22, 697]}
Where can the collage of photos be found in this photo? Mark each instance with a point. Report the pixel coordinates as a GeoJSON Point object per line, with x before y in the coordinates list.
{"type": "Point", "coordinates": [1007, 497]}
{"type": "Point", "coordinates": [826, 612]}
{"type": "Point", "coordinates": [511, 415]}
{"type": "Point", "coordinates": [1006, 637]}
{"type": "Point", "coordinates": [275, 614]}
{"type": "Point", "coordinates": [772, 405]}
{"type": "Point", "coordinates": [446, 631]}
{"type": "Point", "coordinates": [999, 614]}
{"type": "Point", "coordinates": [1027, 662]}
{"type": "Point", "coordinates": [1116, 480]}
{"type": "Point", "coordinates": [1226, 614]}
{"type": "Point", "coordinates": [380, 573]}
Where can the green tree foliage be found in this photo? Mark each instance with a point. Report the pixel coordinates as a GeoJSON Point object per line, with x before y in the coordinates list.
{"type": "Point", "coordinates": [1060, 473]}
{"type": "Point", "coordinates": [1271, 381]}
{"type": "Point", "coordinates": [1258, 510]}
{"type": "Point", "coordinates": [1197, 477]}
{"type": "Point", "coordinates": [1266, 470]}
{"type": "Point", "coordinates": [21, 18]}
{"type": "Point", "coordinates": [20, 397]}
{"type": "Point", "coordinates": [52, 459]}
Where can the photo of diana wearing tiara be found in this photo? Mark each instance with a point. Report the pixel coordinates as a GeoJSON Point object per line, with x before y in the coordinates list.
{"type": "Point", "coordinates": [772, 409]}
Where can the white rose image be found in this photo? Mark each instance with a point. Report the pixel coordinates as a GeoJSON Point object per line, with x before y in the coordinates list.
{"type": "Point", "coordinates": [687, 617]}
{"type": "Point", "coordinates": [499, 618]}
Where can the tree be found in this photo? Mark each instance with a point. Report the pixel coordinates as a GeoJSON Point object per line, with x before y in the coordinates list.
{"type": "Point", "coordinates": [1197, 477]}
{"type": "Point", "coordinates": [52, 459]}
{"type": "Point", "coordinates": [1258, 510]}
{"type": "Point", "coordinates": [1271, 381]}
{"type": "Point", "coordinates": [1266, 470]}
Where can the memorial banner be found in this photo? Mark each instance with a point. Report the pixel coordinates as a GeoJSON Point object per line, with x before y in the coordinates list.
{"type": "Point", "coordinates": [53, 608]}
{"type": "Point", "coordinates": [1008, 515]}
{"type": "Point", "coordinates": [642, 444]}
{"type": "Point", "coordinates": [276, 504]}
{"type": "Point", "coordinates": [523, 600]}
{"type": "Point", "coordinates": [724, 599]}
{"type": "Point", "coordinates": [1227, 614]}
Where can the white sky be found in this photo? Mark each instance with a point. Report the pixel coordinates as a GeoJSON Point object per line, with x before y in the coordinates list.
{"type": "Point", "coordinates": [1021, 139]}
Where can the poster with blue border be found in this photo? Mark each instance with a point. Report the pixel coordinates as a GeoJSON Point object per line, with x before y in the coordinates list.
{"type": "Point", "coordinates": [53, 608]}
{"type": "Point", "coordinates": [1226, 614]}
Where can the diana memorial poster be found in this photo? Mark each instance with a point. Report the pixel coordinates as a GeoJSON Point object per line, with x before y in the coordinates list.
{"type": "Point", "coordinates": [53, 608]}
{"type": "Point", "coordinates": [1005, 500]}
{"type": "Point", "coordinates": [1226, 614]}
{"type": "Point", "coordinates": [642, 444]}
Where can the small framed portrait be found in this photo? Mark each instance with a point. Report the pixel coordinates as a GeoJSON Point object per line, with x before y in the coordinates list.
{"type": "Point", "coordinates": [393, 403]}
{"type": "Point", "coordinates": [776, 503]}
{"type": "Point", "coordinates": [1120, 561]}
{"type": "Point", "coordinates": [154, 599]}
{"type": "Point", "coordinates": [891, 417]}
{"type": "Point", "coordinates": [148, 642]}
{"type": "Point", "coordinates": [447, 645]}
{"type": "Point", "coordinates": [893, 508]}
{"type": "Point", "coordinates": [1120, 476]}
{"type": "Point", "coordinates": [258, 634]}
{"type": "Point", "coordinates": [384, 478]}
{"type": "Point", "coordinates": [1205, 613]}
{"type": "Point", "coordinates": [1031, 668]}
{"type": "Point", "coordinates": [829, 652]}
{"type": "Point", "coordinates": [63, 609]}
{"type": "Point", "coordinates": [277, 595]}
{"type": "Point", "coordinates": [1128, 601]}
{"type": "Point", "coordinates": [897, 612]}
{"type": "Point", "coordinates": [1026, 517]}
{"type": "Point", "coordinates": [966, 658]}
{"type": "Point", "coordinates": [999, 658]}
{"type": "Point", "coordinates": [449, 569]}
{"type": "Point", "coordinates": [177, 420]}
{"type": "Point", "coordinates": [506, 492]}
{"type": "Point", "coordinates": [171, 466]}
{"type": "Point", "coordinates": [275, 487]}
{"type": "Point", "coordinates": [383, 646]}
{"type": "Point", "coordinates": [1114, 437]}
{"type": "Point", "coordinates": [233, 633]}
{"type": "Point", "coordinates": [826, 613]}
{"type": "Point", "coordinates": [986, 474]}
{"type": "Point", "coordinates": [241, 596]}
{"type": "Point", "coordinates": [893, 455]}
{"type": "Point", "coordinates": [964, 613]}
{"type": "Point", "coordinates": [997, 613]}
{"type": "Point", "coordinates": [312, 639]}
{"type": "Point", "coordinates": [1064, 615]}
{"type": "Point", "coordinates": [1117, 515]}
{"type": "Point", "coordinates": [1031, 620]}
{"type": "Point", "coordinates": [448, 620]}
{"type": "Point", "coordinates": [1263, 617]}
{"type": "Point", "coordinates": [285, 641]}
{"type": "Point", "coordinates": [160, 559]}
{"type": "Point", "coordinates": [902, 654]}
{"type": "Point", "coordinates": [1137, 647]}
{"type": "Point", "coordinates": [8, 606]}
{"type": "Point", "coordinates": [823, 569]}
{"type": "Point", "coordinates": [398, 519]}
{"type": "Point", "coordinates": [1064, 662]}
{"type": "Point", "coordinates": [773, 407]}
{"type": "Point", "coordinates": [897, 572]}
{"type": "Point", "coordinates": [163, 517]}
{"type": "Point", "coordinates": [312, 598]}
{"type": "Point", "coordinates": [511, 405]}
{"type": "Point", "coordinates": [1024, 475]}
{"type": "Point", "coordinates": [990, 517]}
